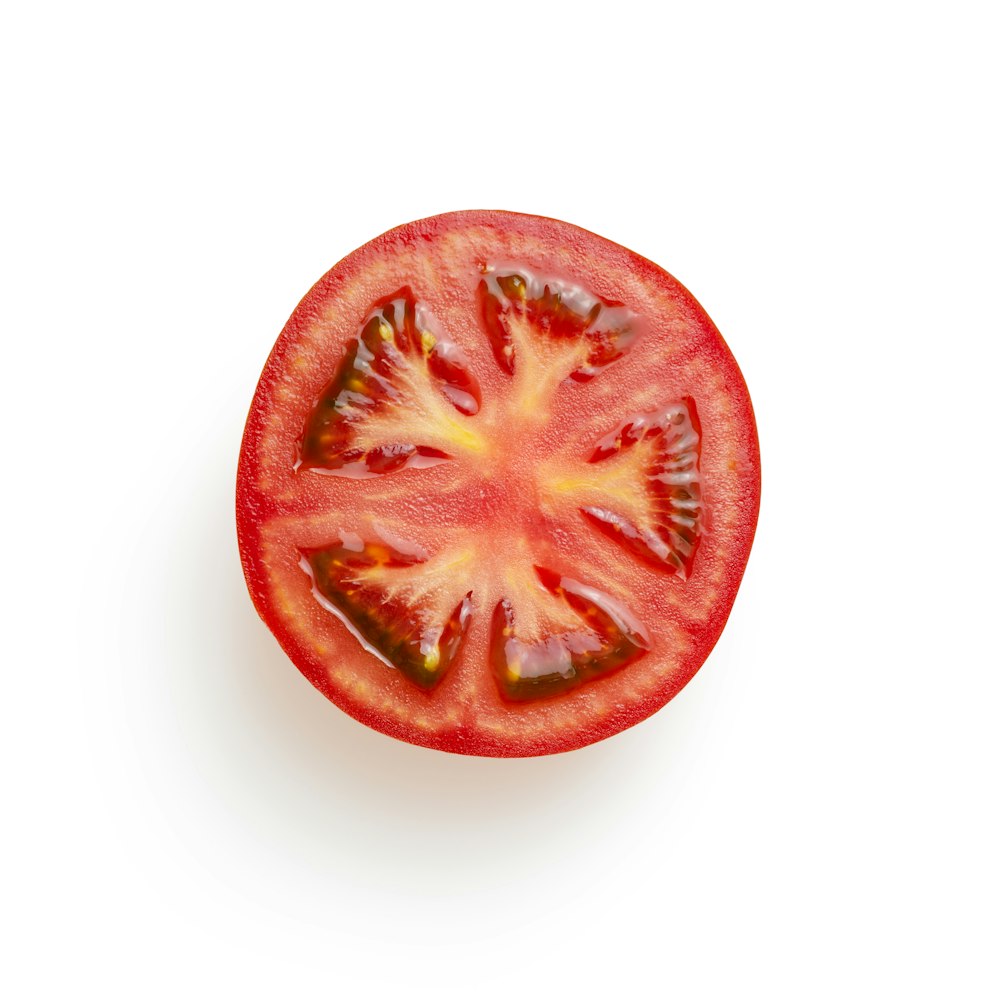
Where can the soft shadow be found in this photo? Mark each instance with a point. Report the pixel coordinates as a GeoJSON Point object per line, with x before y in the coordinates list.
{"type": "Point", "coordinates": [271, 759]}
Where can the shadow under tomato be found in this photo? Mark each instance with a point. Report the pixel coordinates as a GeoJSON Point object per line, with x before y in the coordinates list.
{"type": "Point", "coordinates": [263, 762]}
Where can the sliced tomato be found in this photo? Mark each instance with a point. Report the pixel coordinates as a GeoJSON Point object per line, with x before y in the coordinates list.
{"type": "Point", "coordinates": [498, 485]}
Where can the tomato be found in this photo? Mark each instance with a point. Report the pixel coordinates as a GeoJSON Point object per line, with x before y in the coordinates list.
{"type": "Point", "coordinates": [498, 485]}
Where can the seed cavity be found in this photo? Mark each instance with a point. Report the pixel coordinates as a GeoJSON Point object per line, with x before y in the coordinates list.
{"type": "Point", "coordinates": [397, 399]}
{"type": "Point", "coordinates": [366, 585]}
{"type": "Point", "coordinates": [517, 307]}
{"type": "Point", "coordinates": [609, 637]}
{"type": "Point", "coordinates": [665, 530]}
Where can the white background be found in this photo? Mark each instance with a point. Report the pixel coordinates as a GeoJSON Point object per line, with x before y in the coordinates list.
{"type": "Point", "coordinates": [815, 815]}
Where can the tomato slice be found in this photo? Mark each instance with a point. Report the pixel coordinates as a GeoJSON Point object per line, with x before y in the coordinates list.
{"type": "Point", "coordinates": [498, 485]}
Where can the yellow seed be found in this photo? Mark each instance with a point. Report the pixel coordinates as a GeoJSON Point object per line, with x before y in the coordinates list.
{"type": "Point", "coordinates": [427, 341]}
{"type": "Point", "coordinates": [514, 670]}
{"type": "Point", "coordinates": [432, 660]}
{"type": "Point", "coordinates": [385, 331]}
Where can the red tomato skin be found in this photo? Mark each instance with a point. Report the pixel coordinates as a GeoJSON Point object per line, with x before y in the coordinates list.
{"type": "Point", "coordinates": [253, 508]}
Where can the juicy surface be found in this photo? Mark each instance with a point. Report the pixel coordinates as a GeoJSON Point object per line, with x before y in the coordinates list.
{"type": "Point", "coordinates": [394, 383]}
{"type": "Point", "coordinates": [582, 456]}
{"type": "Point", "coordinates": [606, 638]}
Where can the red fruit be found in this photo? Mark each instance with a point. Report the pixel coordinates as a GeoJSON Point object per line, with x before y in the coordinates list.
{"type": "Point", "coordinates": [498, 485]}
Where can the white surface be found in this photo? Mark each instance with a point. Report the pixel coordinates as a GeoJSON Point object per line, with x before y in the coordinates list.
{"type": "Point", "coordinates": [815, 815]}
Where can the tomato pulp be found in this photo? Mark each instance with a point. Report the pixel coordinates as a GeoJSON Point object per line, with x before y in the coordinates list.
{"type": "Point", "coordinates": [498, 485]}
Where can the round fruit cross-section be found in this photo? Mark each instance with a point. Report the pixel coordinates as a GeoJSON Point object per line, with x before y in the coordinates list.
{"type": "Point", "coordinates": [498, 485]}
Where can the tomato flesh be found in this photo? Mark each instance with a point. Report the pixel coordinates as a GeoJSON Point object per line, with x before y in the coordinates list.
{"type": "Point", "coordinates": [498, 485]}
